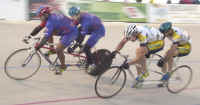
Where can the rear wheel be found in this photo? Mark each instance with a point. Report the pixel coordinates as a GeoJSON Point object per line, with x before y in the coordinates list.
{"type": "Point", "coordinates": [180, 78]}
{"type": "Point", "coordinates": [22, 64]}
{"type": "Point", "coordinates": [102, 62]}
{"type": "Point", "coordinates": [110, 82]}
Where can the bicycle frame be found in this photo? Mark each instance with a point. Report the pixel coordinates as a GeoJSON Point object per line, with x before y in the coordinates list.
{"type": "Point", "coordinates": [115, 73]}
{"type": "Point", "coordinates": [147, 65]}
{"type": "Point", "coordinates": [49, 61]}
{"type": "Point", "coordinates": [54, 63]}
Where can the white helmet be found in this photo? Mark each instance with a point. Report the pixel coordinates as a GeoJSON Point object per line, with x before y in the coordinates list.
{"type": "Point", "coordinates": [130, 30]}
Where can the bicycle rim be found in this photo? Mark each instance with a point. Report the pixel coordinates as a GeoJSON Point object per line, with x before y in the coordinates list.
{"type": "Point", "coordinates": [21, 65]}
{"type": "Point", "coordinates": [180, 78]}
{"type": "Point", "coordinates": [110, 83]}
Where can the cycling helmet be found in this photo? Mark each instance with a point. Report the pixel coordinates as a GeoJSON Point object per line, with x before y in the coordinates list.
{"type": "Point", "coordinates": [130, 30]}
{"type": "Point", "coordinates": [164, 27]}
{"type": "Point", "coordinates": [74, 11]}
{"type": "Point", "coordinates": [42, 10]}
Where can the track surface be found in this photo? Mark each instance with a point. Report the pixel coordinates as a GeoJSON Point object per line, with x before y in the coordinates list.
{"type": "Point", "coordinates": [76, 87]}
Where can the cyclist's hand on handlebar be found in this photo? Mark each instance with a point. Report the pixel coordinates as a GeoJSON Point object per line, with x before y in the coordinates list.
{"type": "Point", "coordinates": [26, 38]}
{"type": "Point", "coordinates": [113, 54]}
{"type": "Point", "coordinates": [70, 50]}
{"type": "Point", "coordinates": [124, 66]}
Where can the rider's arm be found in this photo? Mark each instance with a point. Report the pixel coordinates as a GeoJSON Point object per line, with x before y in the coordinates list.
{"type": "Point", "coordinates": [48, 34]}
{"type": "Point", "coordinates": [43, 41]}
{"type": "Point", "coordinates": [81, 37]}
{"type": "Point", "coordinates": [139, 55]}
{"type": "Point", "coordinates": [121, 44]}
{"type": "Point", "coordinates": [37, 29]}
{"type": "Point", "coordinates": [85, 28]}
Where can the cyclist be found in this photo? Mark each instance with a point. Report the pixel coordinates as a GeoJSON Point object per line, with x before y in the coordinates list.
{"type": "Point", "coordinates": [151, 41]}
{"type": "Point", "coordinates": [181, 47]}
{"type": "Point", "coordinates": [89, 24]}
{"type": "Point", "coordinates": [37, 29]}
{"type": "Point", "coordinates": [63, 26]}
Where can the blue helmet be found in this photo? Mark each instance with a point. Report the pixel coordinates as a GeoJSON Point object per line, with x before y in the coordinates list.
{"type": "Point", "coordinates": [43, 9]}
{"type": "Point", "coordinates": [164, 27]}
{"type": "Point", "coordinates": [74, 11]}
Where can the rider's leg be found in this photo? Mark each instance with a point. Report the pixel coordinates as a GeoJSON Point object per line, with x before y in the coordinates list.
{"type": "Point", "coordinates": [89, 56]}
{"type": "Point", "coordinates": [164, 68]}
{"type": "Point", "coordinates": [59, 50]}
{"type": "Point", "coordinates": [52, 49]}
{"type": "Point", "coordinates": [140, 61]}
{"type": "Point", "coordinates": [65, 41]}
{"type": "Point", "coordinates": [182, 50]}
{"type": "Point", "coordinates": [50, 40]}
{"type": "Point", "coordinates": [138, 68]}
{"type": "Point", "coordinates": [169, 60]}
{"type": "Point", "coordinates": [91, 42]}
{"type": "Point", "coordinates": [168, 64]}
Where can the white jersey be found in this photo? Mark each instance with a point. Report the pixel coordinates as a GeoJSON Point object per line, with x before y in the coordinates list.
{"type": "Point", "coordinates": [149, 34]}
{"type": "Point", "coordinates": [180, 36]}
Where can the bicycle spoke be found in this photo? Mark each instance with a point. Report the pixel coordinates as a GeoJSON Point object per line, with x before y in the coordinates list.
{"type": "Point", "coordinates": [27, 60]}
{"type": "Point", "coordinates": [116, 74]}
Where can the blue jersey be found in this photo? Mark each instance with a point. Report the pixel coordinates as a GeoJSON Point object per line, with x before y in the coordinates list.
{"type": "Point", "coordinates": [90, 23]}
{"type": "Point", "coordinates": [59, 23]}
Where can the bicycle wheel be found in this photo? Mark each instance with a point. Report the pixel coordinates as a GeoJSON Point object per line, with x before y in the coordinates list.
{"type": "Point", "coordinates": [180, 78]}
{"type": "Point", "coordinates": [21, 65]}
{"type": "Point", "coordinates": [110, 82]}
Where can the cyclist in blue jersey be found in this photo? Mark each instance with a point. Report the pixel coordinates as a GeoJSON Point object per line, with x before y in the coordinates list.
{"type": "Point", "coordinates": [63, 26]}
{"type": "Point", "coordinates": [89, 25]}
{"type": "Point", "coordinates": [38, 28]}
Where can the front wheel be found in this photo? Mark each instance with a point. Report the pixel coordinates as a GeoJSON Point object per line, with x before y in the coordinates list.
{"type": "Point", "coordinates": [180, 78]}
{"type": "Point", "coordinates": [110, 82]}
{"type": "Point", "coordinates": [22, 64]}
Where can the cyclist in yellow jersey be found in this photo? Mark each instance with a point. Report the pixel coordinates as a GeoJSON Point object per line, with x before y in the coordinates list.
{"type": "Point", "coordinates": [151, 41]}
{"type": "Point", "coordinates": [181, 47]}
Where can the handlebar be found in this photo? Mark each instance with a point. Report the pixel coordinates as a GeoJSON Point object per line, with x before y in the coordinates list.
{"type": "Point", "coordinates": [124, 56]}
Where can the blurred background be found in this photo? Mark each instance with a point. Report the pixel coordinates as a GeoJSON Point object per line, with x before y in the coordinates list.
{"type": "Point", "coordinates": [153, 11]}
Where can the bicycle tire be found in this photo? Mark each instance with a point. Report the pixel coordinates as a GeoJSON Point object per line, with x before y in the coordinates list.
{"type": "Point", "coordinates": [171, 88]}
{"type": "Point", "coordinates": [118, 74]}
{"type": "Point", "coordinates": [19, 54]}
